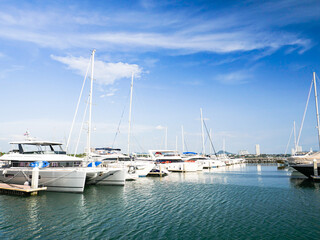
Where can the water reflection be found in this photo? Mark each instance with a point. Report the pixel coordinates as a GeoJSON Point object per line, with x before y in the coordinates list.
{"type": "Point", "coordinates": [305, 183]}
{"type": "Point", "coordinates": [213, 204]}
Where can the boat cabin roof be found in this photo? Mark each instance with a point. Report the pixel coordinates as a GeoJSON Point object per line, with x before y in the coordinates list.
{"type": "Point", "coordinates": [41, 143]}
{"type": "Point", "coordinates": [107, 149]}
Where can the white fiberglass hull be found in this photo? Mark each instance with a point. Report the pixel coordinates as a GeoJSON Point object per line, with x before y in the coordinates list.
{"type": "Point", "coordinates": [55, 179]}
{"type": "Point", "coordinates": [205, 163]}
{"type": "Point", "coordinates": [106, 176]}
{"type": "Point", "coordinates": [143, 169]}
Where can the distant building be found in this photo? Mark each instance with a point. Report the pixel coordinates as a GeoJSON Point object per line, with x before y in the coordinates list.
{"type": "Point", "coordinates": [258, 150]}
{"type": "Point", "coordinates": [243, 152]}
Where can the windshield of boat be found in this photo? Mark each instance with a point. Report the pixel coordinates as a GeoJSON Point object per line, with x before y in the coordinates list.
{"type": "Point", "coordinates": [166, 154]}
{"type": "Point", "coordinates": [37, 149]}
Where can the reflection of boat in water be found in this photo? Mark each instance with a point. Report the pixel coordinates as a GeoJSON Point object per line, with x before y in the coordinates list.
{"type": "Point", "coordinates": [304, 183]}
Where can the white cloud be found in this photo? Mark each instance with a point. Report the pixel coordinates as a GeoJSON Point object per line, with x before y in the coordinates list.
{"type": "Point", "coordinates": [104, 73]}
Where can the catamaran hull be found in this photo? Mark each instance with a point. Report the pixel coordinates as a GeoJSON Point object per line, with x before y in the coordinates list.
{"type": "Point", "coordinates": [64, 180]}
{"type": "Point", "coordinates": [144, 170]}
{"type": "Point", "coordinates": [113, 177]}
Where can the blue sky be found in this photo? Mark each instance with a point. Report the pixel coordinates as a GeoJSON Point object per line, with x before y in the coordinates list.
{"type": "Point", "coordinates": [247, 64]}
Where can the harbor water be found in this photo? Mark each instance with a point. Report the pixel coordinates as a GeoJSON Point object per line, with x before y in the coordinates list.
{"type": "Point", "coordinates": [237, 202]}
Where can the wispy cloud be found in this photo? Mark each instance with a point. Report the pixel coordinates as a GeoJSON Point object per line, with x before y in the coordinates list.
{"type": "Point", "coordinates": [234, 78]}
{"type": "Point", "coordinates": [192, 83]}
{"type": "Point", "coordinates": [109, 93]}
{"type": "Point", "coordinates": [14, 68]}
{"type": "Point", "coordinates": [258, 26]}
{"type": "Point", "coordinates": [104, 73]}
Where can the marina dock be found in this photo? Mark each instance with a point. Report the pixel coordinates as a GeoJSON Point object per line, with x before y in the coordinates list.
{"type": "Point", "coordinates": [20, 190]}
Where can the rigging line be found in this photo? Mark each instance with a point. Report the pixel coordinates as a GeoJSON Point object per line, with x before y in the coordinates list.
{"type": "Point", "coordinates": [55, 179]}
{"type": "Point", "coordinates": [185, 144]}
{"type": "Point", "coordinates": [214, 150]}
{"type": "Point", "coordinates": [141, 148]}
{"type": "Point", "coordinates": [118, 128]}
{"type": "Point", "coordinates": [77, 108]}
{"type": "Point", "coordinates": [304, 115]}
{"type": "Point", "coordinates": [289, 141]}
{"type": "Point", "coordinates": [83, 119]}
{"type": "Point", "coordinates": [317, 78]}
{"type": "Point", "coordinates": [8, 180]}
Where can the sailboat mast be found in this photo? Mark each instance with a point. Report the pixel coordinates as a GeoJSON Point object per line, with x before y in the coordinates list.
{"type": "Point", "coordinates": [129, 128]}
{"type": "Point", "coordinates": [317, 109]}
{"type": "Point", "coordinates": [203, 147]}
{"type": "Point", "coordinates": [176, 143]}
{"type": "Point", "coordinates": [210, 135]}
{"type": "Point", "coordinates": [90, 107]}
{"type": "Point", "coordinates": [166, 140]}
{"type": "Point", "coordinates": [182, 137]}
{"type": "Point", "coordinates": [295, 137]}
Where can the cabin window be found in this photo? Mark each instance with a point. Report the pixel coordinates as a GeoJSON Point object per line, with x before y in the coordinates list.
{"type": "Point", "coordinates": [76, 164]}
{"type": "Point", "coordinates": [9, 175]}
{"type": "Point", "coordinates": [54, 164]}
{"type": "Point", "coordinates": [30, 176]}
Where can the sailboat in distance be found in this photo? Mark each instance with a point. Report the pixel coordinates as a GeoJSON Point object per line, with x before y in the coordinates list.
{"type": "Point", "coordinates": [306, 158]}
{"type": "Point", "coordinates": [309, 170]}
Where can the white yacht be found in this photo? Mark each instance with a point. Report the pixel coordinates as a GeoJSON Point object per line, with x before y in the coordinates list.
{"type": "Point", "coordinates": [172, 161]}
{"type": "Point", "coordinates": [144, 160]}
{"type": "Point", "coordinates": [217, 162]}
{"type": "Point", "coordinates": [63, 173]}
{"type": "Point", "coordinates": [112, 157]}
{"type": "Point", "coordinates": [60, 172]}
{"type": "Point", "coordinates": [201, 161]}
